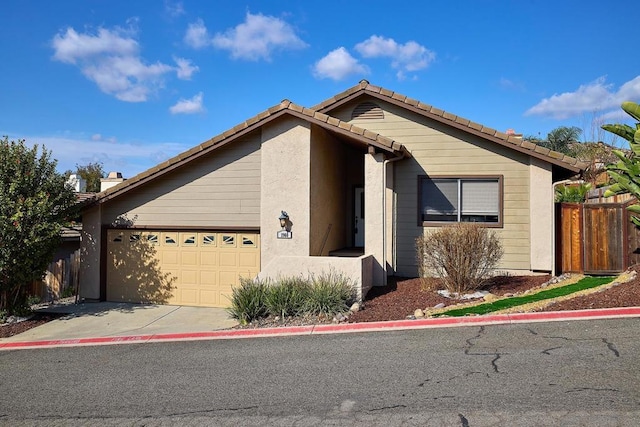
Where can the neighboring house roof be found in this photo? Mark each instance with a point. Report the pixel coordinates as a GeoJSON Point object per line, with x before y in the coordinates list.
{"type": "Point", "coordinates": [286, 107]}
{"type": "Point", "coordinates": [317, 115]}
{"type": "Point", "coordinates": [71, 233]}
{"type": "Point", "coordinates": [83, 197]}
{"type": "Point", "coordinates": [511, 141]}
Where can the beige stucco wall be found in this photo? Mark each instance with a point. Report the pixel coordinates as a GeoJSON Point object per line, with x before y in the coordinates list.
{"type": "Point", "coordinates": [374, 204]}
{"type": "Point", "coordinates": [357, 269]}
{"type": "Point", "coordinates": [328, 194]}
{"type": "Point", "coordinates": [90, 254]}
{"type": "Point", "coordinates": [541, 212]}
{"type": "Point", "coordinates": [285, 184]}
{"type": "Point", "coordinates": [441, 150]}
{"type": "Point", "coordinates": [219, 190]}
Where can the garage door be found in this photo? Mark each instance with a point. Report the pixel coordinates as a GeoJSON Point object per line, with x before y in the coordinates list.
{"type": "Point", "coordinates": [196, 268]}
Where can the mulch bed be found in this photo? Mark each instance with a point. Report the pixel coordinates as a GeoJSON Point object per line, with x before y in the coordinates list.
{"type": "Point", "coordinates": [11, 329]}
{"type": "Point", "coordinates": [401, 297]}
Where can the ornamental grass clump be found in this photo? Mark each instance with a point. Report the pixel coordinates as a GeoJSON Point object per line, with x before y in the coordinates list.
{"type": "Point", "coordinates": [287, 297]}
{"type": "Point", "coordinates": [463, 255]}
{"type": "Point", "coordinates": [248, 301]}
{"type": "Point", "coordinates": [330, 293]}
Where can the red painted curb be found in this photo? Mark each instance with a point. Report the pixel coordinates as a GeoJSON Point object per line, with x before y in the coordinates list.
{"type": "Point", "coordinates": [393, 325]}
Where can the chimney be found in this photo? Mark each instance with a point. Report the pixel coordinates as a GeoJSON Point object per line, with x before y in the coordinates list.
{"type": "Point", "coordinates": [77, 182]}
{"type": "Point", "coordinates": [113, 179]}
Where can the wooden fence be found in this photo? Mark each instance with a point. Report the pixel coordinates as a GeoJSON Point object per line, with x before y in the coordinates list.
{"type": "Point", "coordinates": [595, 238]}
{"type": "Point", "coordinates": [61, 276]}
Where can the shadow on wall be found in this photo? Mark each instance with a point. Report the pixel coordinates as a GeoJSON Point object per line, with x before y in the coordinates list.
{"type": "Point", "coordinates": [133, 268]}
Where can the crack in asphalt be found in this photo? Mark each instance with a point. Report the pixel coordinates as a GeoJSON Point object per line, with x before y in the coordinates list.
{"type": "Point", "coordinates": [467, 351]}
{"type": "Point", "coordinates": [463, 421]}
{"type": "Point", "coordinates": [611, 347]}
{"type": "Point", "coordinates": [471, 344]}
{"type": "Point", "coordinates": [550, 349]}
{"type": "Point", "coordinates": [387, 407]}
{"type": "Point", "coordinates": [575, 390]}
{"type": "Point", "coordinates": [493, 363]}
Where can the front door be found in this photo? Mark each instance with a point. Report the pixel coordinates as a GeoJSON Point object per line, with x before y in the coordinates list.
{"type": "Point", "coordinates": [358, 222]}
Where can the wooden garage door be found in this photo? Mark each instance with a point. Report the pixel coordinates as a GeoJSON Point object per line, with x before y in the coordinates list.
{"type": "Point", "coordinates": [196, 268]}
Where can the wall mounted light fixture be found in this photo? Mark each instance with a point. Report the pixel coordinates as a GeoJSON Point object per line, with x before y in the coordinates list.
{"type": "Point", "coordinates": [284, 217]}
{"type": "Point", "coordinates": [285, 233]}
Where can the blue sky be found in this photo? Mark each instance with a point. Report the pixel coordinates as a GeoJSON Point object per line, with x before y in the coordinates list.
{"type": "Point", "coordinates": [132, 83]}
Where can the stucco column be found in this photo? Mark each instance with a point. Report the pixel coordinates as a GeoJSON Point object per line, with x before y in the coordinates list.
{"type": "Point", "coordinates": [284, 185]}
{"type": "Point", "coordinates": [374, 229]}
{"type": "Point", "coordinates": [89, 275]}
{"type": "Point", "coordinates": [541, 211]}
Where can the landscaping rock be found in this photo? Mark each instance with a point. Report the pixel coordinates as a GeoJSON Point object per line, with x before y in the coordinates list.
{"type": "Point", "coordinates": [339, 318]}
{"type": "Point", "coordinates": [440, 305]}
{"type": "Point", "coordinates": [355, 307]}
{"type": "Point", "coordinates": [418, 314]}
{"type": "Point", "coordinates": [490, 297]}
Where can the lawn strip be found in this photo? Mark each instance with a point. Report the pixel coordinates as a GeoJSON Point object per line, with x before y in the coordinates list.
{"type": "Point", "coordinates": [502, 304]}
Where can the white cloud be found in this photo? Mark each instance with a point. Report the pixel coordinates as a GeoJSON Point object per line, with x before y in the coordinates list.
{"type": "Point", "coordinates": [188, 106]}
{"type": "Point", "coordinates": [408, 57]}
{"type": "Point", "coordinates": [70, 47]}
{"type": "Point", "coordinates": [594, 96]}
{"type": "Point", "coordinates": [337, 65]}
{"type": "Point", "coordinates": [256, 38]}
{"type": "Point", "coordinates": [111, 59]}
{"type": "Point", "coordinates": [508, 84]}
{"type": "Point", "coordinates": [185, 70]}
{"type": "Point", "coordinates": [174, 9]}
{"type": "Point", "coordinates": [197, 35]}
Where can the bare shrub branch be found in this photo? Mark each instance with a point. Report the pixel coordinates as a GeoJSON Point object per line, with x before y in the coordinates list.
{"type": "Point", "coordinates": [462, 255]}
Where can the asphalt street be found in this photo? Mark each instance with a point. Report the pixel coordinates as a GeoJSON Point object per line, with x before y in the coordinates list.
{"type": "Point", "coordinates": [560, 373]}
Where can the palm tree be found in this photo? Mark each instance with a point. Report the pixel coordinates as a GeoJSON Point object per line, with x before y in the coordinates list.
{"type": "Point", "coordinates": [561, 138]}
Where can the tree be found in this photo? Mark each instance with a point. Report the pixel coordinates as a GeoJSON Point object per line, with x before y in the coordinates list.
{"type": "Point", "coordinates": [561, 139]}
{"type": "Point", "coordinates": [626, 172]}
{"type": "Point", "coordinates": [91, 172]}
{"type": "Point", "coordinates": [34, 205]}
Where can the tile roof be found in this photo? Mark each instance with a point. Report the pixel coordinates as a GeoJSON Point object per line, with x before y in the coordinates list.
{"type": "Point", "coordinates": [318, 116]}
{"type": "Point", "coordinates": [285, 107]}
{"type": "Point", "coordinates": [519, 144]}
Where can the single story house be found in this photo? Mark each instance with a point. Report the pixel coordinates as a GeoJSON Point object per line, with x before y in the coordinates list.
{"type": "Point", "coordinates": [354, 181]}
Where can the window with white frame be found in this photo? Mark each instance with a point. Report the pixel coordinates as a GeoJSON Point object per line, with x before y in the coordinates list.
{"type": "Point", "coordinates": [466, 199]}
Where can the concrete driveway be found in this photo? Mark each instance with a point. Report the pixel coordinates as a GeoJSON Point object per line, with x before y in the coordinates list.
{"type": "Point", "coordinates": [110, 319]}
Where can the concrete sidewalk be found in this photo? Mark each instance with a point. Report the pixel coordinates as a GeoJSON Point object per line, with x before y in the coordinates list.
{"type": "Point", "coordinates": [120, 323]}
{"type": "Point", "coordinates": [110, 319]}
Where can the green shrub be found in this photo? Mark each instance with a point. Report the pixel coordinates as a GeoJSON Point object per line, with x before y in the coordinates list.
{"type": "Point", "coordinates": [69, 291]}
{"type": "Point", "coordinates": [248, 301]}
{"type": "Point", "coordinates": [33, 300]}
{"type": "Point", "coordinates": [330, 293]}
{"type": "Point", "coordinates": [571, 193]}
{"type": "Point", "coordinates": [287, 296]}
{"type": "Point", "coordinates": [462, 255]}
